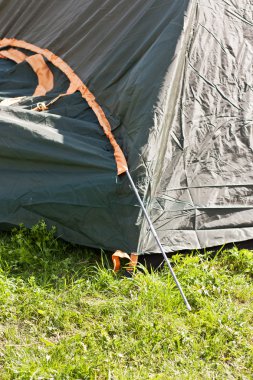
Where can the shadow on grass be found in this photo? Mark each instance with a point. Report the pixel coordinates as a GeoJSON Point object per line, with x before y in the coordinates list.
{"type": "Point", "coordinates": [37, 253]}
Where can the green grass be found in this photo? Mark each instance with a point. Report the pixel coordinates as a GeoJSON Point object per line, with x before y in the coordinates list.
{"type": "Point", "coordinates": [65, 315]}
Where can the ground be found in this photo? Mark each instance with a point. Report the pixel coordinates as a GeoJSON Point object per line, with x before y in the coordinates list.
{"type": "Point", "coordinates": [64, 314]}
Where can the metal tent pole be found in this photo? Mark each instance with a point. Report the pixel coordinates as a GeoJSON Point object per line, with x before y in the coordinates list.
{"type": "Point", "coordinates": [158, 241]}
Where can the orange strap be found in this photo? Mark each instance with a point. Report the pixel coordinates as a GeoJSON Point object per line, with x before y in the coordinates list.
{"type": "Point", "coordinates": [76, 84]}
{"type": "Point", "coordinates": [14, 55]}
{"type": "Point", "coordinates": [39, 66]}
{"type": "Point", "coordinates": [44, 74]}
{"type": "Point", "coordinates": [133, 260]}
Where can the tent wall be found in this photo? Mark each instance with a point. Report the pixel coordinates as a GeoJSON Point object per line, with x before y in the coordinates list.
{"type": "Point", "coordinates": [202, 194]}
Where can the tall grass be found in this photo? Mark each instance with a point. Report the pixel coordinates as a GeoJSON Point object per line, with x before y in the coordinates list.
{"type": "Point", "coordinates": [64, 314]}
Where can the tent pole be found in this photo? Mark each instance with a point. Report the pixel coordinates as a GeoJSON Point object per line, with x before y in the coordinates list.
{"type": "Point", "coordinates": [158, 241]}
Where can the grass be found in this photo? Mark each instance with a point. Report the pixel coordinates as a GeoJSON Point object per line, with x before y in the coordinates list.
{"type": "Point", "coordinates": [65, 315]}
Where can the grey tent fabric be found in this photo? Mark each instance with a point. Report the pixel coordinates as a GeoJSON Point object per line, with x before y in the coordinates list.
{"type": "Point", "coordinates": [202, 192]}
{"type": "Point", "coordinates": [175, 81]}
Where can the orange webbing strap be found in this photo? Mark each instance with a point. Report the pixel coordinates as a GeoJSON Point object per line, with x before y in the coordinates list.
{"type": "Point", "coordinates": [76, 84]}
{"type": "Point", "coordinates": [14, 55]}
{"type": "Point", "coordinates": [133, 260]}
{"type": "Point", "coordinates": [44, 74]}
{"type": "Point", "coordinates": [39, 66]}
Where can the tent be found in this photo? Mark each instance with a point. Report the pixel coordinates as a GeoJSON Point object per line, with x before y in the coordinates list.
{"type": "Point", "coordinates": [164, 84]}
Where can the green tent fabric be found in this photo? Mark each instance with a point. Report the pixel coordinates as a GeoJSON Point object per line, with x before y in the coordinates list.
{"type": "Point", "coordinates": [174, 79]}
